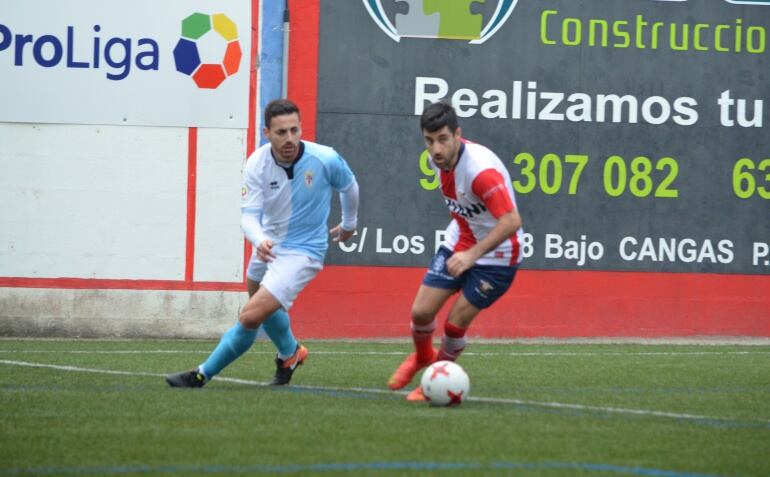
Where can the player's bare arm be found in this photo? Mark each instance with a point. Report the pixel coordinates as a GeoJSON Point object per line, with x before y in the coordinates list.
{"type": "Point", "coordinates": [507, 225]}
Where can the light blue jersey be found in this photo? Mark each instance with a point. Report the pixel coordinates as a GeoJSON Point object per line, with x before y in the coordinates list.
{"type": "Point", "coordinates": [294, 203]}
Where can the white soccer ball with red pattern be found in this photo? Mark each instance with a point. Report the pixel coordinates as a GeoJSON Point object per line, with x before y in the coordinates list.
{"type": "Point", "coordinates": [445, 383]}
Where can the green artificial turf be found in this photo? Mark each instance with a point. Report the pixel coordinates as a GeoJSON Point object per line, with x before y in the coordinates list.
{"type": "Point", "coordinates": [535, 410]}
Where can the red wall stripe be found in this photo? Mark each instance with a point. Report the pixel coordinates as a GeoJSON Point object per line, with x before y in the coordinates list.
{"type": "Point", "coordinates": [252, 132]}
{"type": "Point", "coordinates": [192, 171]}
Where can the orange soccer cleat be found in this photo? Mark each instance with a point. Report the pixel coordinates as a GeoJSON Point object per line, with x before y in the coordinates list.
{"type": "Point", "coordinates": [416, 395]}
{"type": "Point", "coordinates": [406, 371]}
{"type": "Point", "coordinates": [285, 368]}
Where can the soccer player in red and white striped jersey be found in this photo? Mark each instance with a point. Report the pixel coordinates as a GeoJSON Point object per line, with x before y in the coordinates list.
{"type": "Point", "coordinates": [480, 254]}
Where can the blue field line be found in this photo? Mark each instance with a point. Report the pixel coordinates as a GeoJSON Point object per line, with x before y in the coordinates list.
{"type": "Point", "coordinates": [352, 467]}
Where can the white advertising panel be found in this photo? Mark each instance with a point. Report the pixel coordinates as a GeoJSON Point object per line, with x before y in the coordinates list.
{"type": "Point", "coordinates": [170, 63]}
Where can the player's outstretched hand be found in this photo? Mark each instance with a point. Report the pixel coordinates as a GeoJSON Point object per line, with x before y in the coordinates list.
{"type": "Point", "coordinates": [265, 251]}
{"type": "Point", "coordinates": [341, 235]}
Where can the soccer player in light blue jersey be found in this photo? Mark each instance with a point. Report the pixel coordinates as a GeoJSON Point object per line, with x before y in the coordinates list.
{"type": "Point", "coordinates": [287, 190]}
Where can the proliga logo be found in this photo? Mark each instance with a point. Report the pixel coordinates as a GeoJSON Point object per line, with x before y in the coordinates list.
{"type": "Point", "coordinates": [444, 19]}
{"type": "Point", "coordinates": [221, 44]}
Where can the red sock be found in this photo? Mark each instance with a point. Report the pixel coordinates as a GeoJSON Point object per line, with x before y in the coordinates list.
{"type": "Point", "coordinates": [422, 335]}
{"type": "Point", "coordinates": [453, 343]}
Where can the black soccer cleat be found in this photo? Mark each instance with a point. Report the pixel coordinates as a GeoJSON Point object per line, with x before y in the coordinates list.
{"type": "Point", "coordinates": [186, 379]}
{"type": "Point", "coordinates": [285, 368]}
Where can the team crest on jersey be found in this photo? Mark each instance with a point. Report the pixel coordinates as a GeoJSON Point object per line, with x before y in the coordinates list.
{"type": "Point", "coordinates": [309, 178]}
{"type": "Point", "coordinates": [244, 191]}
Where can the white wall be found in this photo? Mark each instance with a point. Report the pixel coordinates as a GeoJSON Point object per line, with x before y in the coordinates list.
{"type": "Point", "coordinates": [110, 202]}
{"type": "Point", "coordinates": [218, 238]}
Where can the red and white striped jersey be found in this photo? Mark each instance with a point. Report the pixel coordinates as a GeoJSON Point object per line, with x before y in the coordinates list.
{"type": "Point", "coordinates": [477, 191]}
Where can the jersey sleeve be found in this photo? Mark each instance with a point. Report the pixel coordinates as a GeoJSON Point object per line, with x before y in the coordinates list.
{"type": "Point", "coordinates": [251, 192]}
{"type": "Point", "coordinates": [339, 173]}
{"type": "Point", "coordinates": [490, 187]}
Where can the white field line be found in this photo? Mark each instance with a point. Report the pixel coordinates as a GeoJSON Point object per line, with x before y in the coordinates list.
{"type": "Point", "coordinates": [556, 405]}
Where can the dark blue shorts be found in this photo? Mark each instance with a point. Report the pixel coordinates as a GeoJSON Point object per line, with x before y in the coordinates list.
{"type": "Point", "coordinates": [482, 285]}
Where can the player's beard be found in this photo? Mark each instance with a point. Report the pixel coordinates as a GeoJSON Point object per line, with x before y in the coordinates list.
{"type": "Point", "coordinates": [288, 152]}
{"type": "Point", "coordinates": [450, 160]}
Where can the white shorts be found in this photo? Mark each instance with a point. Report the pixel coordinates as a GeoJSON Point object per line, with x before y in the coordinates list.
{"type": "Point", "coordinates": [285, 276]}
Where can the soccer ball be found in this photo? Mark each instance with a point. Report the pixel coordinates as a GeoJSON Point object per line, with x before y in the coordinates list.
{"type": "Point", "coordinates": [445, 383]}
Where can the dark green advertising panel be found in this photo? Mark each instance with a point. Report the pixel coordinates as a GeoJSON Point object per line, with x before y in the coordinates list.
{"type": "Point", "coordinates": [635, 131]}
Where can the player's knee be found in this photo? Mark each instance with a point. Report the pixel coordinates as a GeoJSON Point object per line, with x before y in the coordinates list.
{"type": "Point", "coordinates": [247, 321]}
{"type": "Point", "coordinates": [250, 317]}
{"type": "Point", "coordinates": [421, 315]}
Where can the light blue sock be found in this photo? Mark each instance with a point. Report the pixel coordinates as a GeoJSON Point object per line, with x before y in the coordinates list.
{"type": "Point", "coordinates": [236, 341]}
{"type": "Point", "coordinates": [278, 329]}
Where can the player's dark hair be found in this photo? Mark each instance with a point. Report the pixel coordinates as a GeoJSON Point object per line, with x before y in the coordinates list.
{"type": "Point", "coordinates": [438, 115]}
{"type": "Point", "coordinates": [279, 107]}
